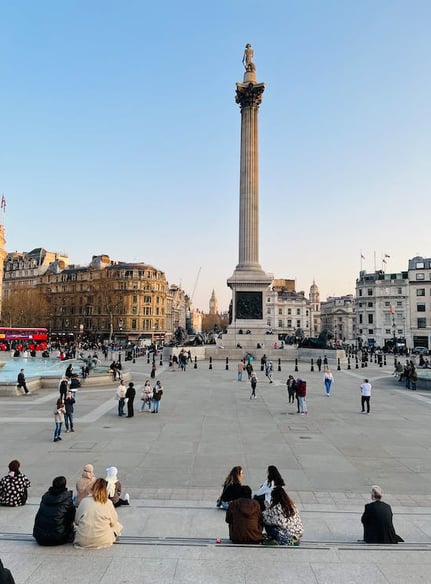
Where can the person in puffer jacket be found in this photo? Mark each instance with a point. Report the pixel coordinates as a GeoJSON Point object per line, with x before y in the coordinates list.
{"type": "Point", "coordinates": [53, 524]}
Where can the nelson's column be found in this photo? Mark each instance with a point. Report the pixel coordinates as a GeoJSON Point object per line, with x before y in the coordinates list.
{"type": "Point", "coordinates": [249, 281]}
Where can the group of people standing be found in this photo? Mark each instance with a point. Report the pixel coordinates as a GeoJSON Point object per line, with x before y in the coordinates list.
{"type": "Point", "coordinates": [150, 396]}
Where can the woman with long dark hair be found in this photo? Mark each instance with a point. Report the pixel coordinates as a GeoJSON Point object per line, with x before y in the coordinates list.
{"type": "Point", "coordinates": [273, 479]}
{"type": "Point", "coordinates": [282, 520]}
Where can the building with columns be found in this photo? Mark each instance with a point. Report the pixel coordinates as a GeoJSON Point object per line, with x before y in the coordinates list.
{"type": "Point", "coordinates": [419, 276]}
{"type": "Point", "coordinates": [337, 316]}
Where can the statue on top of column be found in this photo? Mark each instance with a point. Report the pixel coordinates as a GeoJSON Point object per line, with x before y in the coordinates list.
{"type": "Point", "coordinates": [247, 59]}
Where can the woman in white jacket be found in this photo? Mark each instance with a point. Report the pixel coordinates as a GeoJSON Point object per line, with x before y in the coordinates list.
{"type": "Point", "coordinates": [274, 479]}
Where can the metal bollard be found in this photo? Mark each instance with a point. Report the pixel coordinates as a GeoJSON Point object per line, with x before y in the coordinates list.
{"type": "Point", "coordinates": [196, 363]}
{"type": "Point", "coordinates": [148, 358]}
{"type": "Point", "coordinates": [312, 364]}
{"type": "Point", "coordinates": [161, 359]}
{"type": "Point", "coordinates": [170, 361]}
{"type": "Point", "coordinates": [356, 361]}
{"type": "Point", "coordinates": [211, 363]}
{"type": "Point", "coordinates": [384, 359]}
{"type": "Point", "coordinates": [348, 362]}
{"type": "Point", "coordinates": [296, 364]}
{"type": "Point", "coordinates": [279, 365]}
{"type": "Point", "coordinates": [338, 366]}
{"type": "Point", "coordinates": [227, 363]}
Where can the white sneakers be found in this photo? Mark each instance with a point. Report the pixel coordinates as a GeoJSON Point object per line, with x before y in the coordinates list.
{"type": "Point", "coordinates": [127, 497]}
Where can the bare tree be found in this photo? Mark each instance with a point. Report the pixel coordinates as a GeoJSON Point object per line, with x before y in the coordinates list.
{"type": "Point", "coordinates": [25, 307]}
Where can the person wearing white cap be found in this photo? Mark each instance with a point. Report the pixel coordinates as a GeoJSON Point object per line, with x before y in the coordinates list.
{"type": "Point", "coordinates": [114, 488]}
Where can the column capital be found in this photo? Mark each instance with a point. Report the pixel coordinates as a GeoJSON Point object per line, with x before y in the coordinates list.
{"type": "Point", "coordinates": [249, 94]}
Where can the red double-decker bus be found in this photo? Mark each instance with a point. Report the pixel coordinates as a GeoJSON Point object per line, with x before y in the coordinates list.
{"type": "Point", "coordinates": [32, 339]}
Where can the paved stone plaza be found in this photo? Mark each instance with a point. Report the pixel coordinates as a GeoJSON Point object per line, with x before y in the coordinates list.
{"type": "Point", "coordinates": [173, 464]}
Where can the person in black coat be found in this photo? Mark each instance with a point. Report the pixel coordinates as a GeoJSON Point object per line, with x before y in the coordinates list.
{"type": "Point", "coordinates": [130, 396]}
{"type": "Point", "coordinates": [53, 524]}
{"type": "Point", "coordinates": [377, 520]}
{"type": "Point", "coordinates": [5, 575]}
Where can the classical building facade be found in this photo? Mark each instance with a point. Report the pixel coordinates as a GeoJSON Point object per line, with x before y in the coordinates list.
{"type": "Point", "coordinates": [287, 311]}
{"type": "Point", "coordinates": [419, 276]}
{"type": "Point", "coordinates": [106, 299]}
{"type": "Point", "coordinates": [24, 269]}
{"type": "Point", "coordinates": [337, 316]}
{"type": "Point", "coordinates": [383, 309]}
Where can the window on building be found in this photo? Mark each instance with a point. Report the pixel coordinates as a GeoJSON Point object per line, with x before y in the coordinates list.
{"type": "Point", "coordinates": [370, 331]}
{"type": "Point", "coordinates": [387, 331]}
{"type": "Point", "coordinates": [289, 323]}
{"type": "Point", "coordinates": [400, 290]}
{"type": "Point", "coordinates": [298, 311]}
{"type": "Point", "coordinates": [133, 324]}
{"type": "Point", "coordinates": [268, 311]}
{"type": "Point", "coordinates": [280, 311]}
{"type": "Point", "coordinates": [420, 291]}
{"type": "Point", "coordinates": [420, 265]}
{"type": "Point", "coordinates": [147, 299]}
{"type": "Point", "coordinates": [360, 292]}
{"type": "Point", "coordinates": [387, 303]}
{"type": "Point", "coordinates": [268, 299]}
{"type": "Point", "coordinates": [420, 307]}
{"type": "Point", "coordinates": [370, 319]}
{"type": "Point", "coordinates": [420, 276]}
{"type": "Point", "coordinates": [134, 299]}
{"type": "Point", "coordinates": [422, 323]}
{"type": "Point", "coordinates": [399, 303]}
{"type": "Point", "coordinates": [268, 322]}
{"type": "Point", "coordinates": [360, 319]}
{"type": "Point", "coordinates": [370, 291]}
{"type": "Point", "coordinates": [370, 304]}
{"type": "Point", "coordinates": [147, 310]}
{"type": "Point", "coordinates": [134, 310]}
{"type": "Point", "coordinates": [280, 323]}
{"type": "Point", "coordinates": [289, 311]}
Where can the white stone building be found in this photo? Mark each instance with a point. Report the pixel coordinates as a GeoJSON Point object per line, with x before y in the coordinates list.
{"type": "Point", "coordinates": [419, 276]}
{"type": "Point", "coordinates": [383, 309]}
{"type": "Point", "coordinates": [337, 316]}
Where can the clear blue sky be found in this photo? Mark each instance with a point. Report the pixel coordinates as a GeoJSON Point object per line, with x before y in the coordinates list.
{"type": "Point", "coordinates": [119, 134]}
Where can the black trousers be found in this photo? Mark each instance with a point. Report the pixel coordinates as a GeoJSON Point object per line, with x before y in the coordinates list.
{"type": "Point", "coordinates": [365, 399]}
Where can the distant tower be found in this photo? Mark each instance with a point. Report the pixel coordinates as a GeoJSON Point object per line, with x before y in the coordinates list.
{"type": "Point", "coordinates": [249, 282]}
{"type": "Point", "coordinates": [315, 324]}
{"type": "Point", "coordinates": [213, 304]}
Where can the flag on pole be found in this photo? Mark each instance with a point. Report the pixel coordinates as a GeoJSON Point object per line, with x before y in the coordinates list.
{"type": "Point", "coordinates": [384, 261]}
{"type": "Point", "coordinates": [3, 203]}
{"type": "Point", "coordinates": [387, 256]}
{"type": "Point", "coordinates": [362, 257]}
